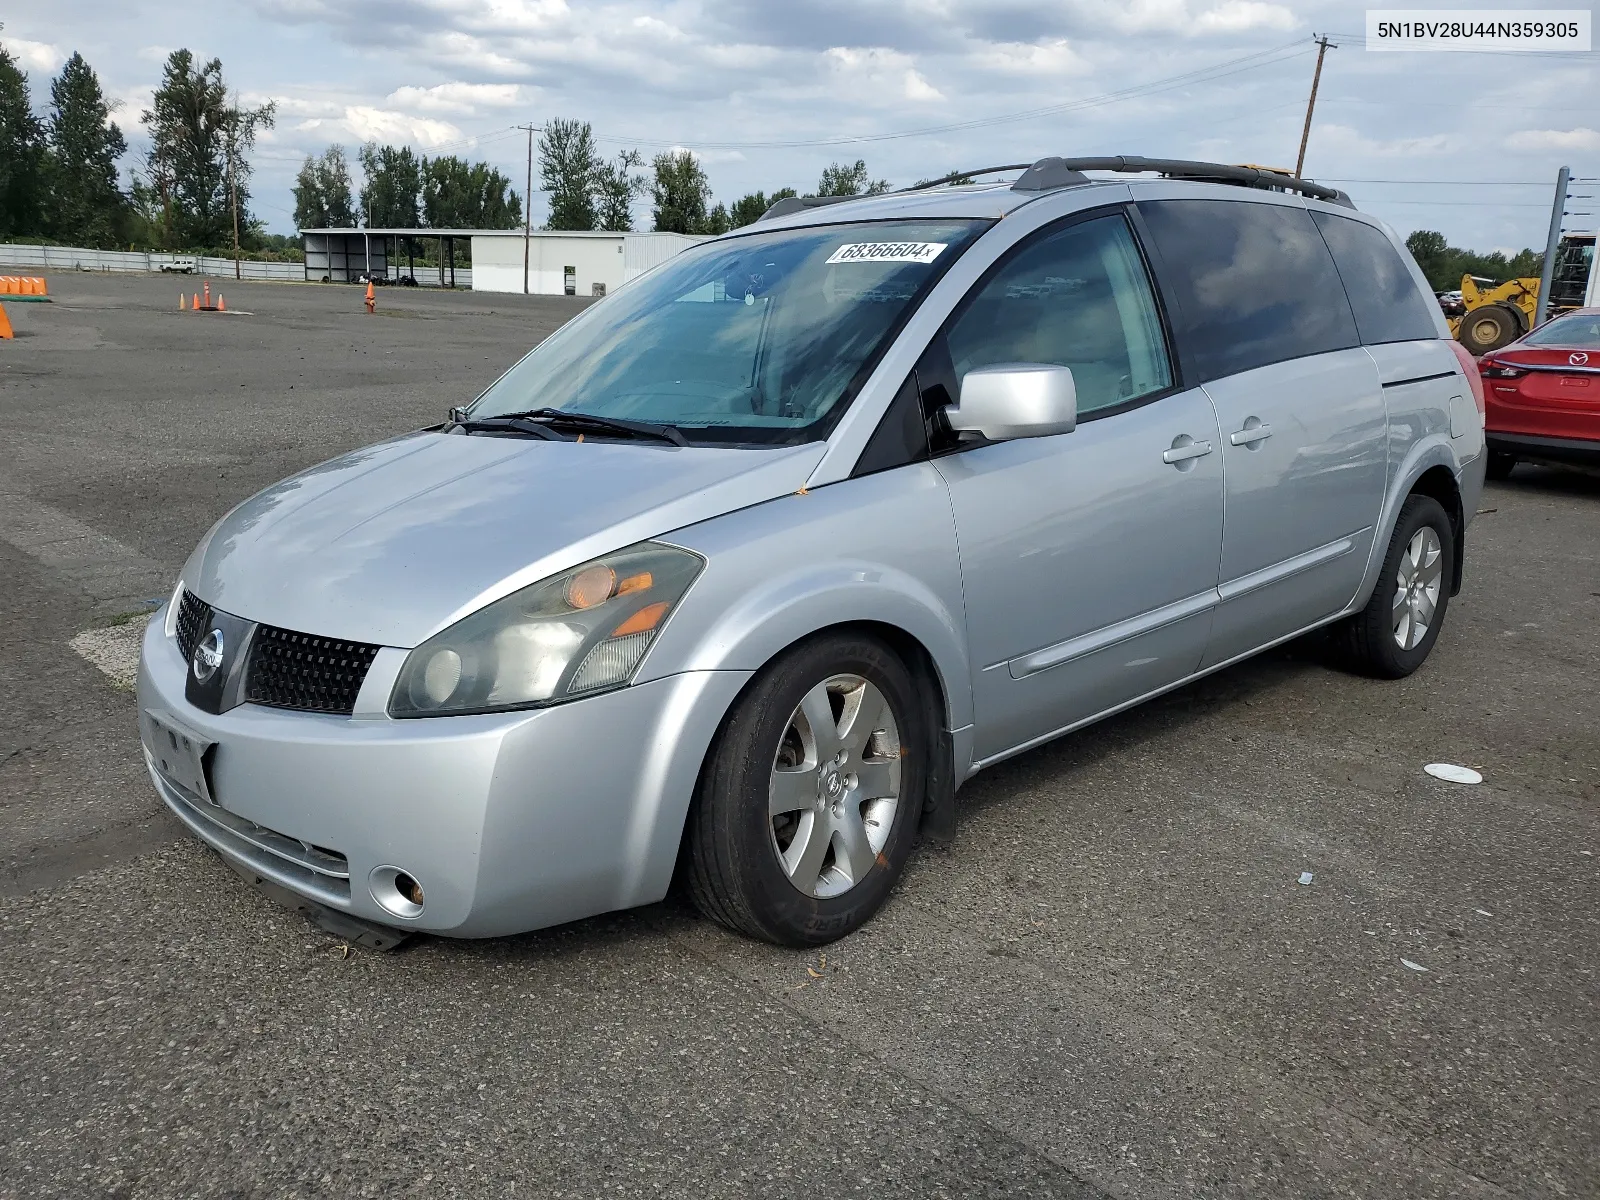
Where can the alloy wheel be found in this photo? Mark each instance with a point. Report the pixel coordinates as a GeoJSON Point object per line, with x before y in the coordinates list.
{"type": "Point", "coordinates": [835, 786]}
{"type": "Point", "coordinates": [1417, 585]}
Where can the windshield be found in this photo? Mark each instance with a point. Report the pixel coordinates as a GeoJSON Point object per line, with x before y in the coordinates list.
{"type": "Point", "coordinates": [763, 338]}
{"type": "Point", "coordinates": [1579, 330]}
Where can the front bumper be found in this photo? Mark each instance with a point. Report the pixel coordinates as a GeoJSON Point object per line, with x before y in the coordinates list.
{"type": "Point", "coordinates": [508, 821]}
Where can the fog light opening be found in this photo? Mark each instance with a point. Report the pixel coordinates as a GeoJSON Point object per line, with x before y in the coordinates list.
{"type": "Point", "coordinates": [397, 892]}
{"type": "Point", "coordinates": [409, 888]}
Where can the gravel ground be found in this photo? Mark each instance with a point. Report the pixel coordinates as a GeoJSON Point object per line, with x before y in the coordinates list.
{"type": "Point", "coordinates": [1113, 984]}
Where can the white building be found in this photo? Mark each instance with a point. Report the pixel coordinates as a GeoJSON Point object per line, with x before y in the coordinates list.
{"type": "Point", "coordinates": [568, 263]}
{"type": "Point", "coordinates": [559, 262]}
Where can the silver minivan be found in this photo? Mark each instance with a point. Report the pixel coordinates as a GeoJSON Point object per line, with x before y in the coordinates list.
{"type": "Point", "coordinates": [739, 575]}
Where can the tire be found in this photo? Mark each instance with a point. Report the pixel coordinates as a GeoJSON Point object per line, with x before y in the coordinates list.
{"type": "Point", "coordinates": [1500, 465]}
{"type": "Point", "coordinates": [1370, 641]}
{"type": "Point", "coordinates": [831, 882]}
{"type": "Point", "coordinates": [1486, 329]}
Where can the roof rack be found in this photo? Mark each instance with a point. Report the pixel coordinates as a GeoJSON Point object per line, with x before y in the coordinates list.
{"type": "Point", "coordinates": [1047, 174]}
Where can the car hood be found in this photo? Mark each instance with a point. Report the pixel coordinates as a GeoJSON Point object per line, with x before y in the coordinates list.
{"type": "Point", "coordinates": [393, 542]}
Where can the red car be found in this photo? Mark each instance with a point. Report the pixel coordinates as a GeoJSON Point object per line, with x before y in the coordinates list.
{"type": "Point", "coordinates": [1542, 395]}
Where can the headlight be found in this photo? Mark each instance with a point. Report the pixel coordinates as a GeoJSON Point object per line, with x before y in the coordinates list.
{"type": "Point", "coordinates": [561, 638]}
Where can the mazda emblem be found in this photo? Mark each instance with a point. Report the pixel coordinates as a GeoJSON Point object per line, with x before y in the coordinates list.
{"type": "Point", "coordinates": [208, 656]}
{"type": "Point", "coordinates": [1578, 359]}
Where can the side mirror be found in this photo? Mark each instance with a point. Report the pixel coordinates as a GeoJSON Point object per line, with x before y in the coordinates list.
{"type": "Point", "coordinates": [1016, 400]}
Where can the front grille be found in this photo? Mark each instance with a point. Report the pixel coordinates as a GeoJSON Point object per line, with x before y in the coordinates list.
{"type": "Point", "coordinates": [300, 670]}
{"type": "Point", "coordinates": [194, 614]}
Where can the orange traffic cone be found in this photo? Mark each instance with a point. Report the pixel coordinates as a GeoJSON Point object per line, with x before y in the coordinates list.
{"type": "Point", "coordinates": [195, 307]}
{"type": "Point", "coordinates": [183, 302]}
{"type": "Point", "coordinates": [372, 298]}
{"type": "Point", "coordinates": [5, 324]}
{"type": "Point", "coordinates": [208, 293]}
{"type": "Point", "coordinates": [222, 305]}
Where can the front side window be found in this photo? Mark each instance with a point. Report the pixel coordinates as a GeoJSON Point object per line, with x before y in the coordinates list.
{"type": "Point", "coordinates": [1077, 298]}
{"type": "Point", "coordinates": [763, 338]}
{"type": "Point", "coordinates": [1254, 282]}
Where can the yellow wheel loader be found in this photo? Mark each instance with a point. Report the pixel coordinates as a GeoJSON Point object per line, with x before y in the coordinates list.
{"type": "Point", "coordinates": [1499, 313]}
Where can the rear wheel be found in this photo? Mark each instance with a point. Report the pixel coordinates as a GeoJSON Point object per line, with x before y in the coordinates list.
{"type": "Point", "coordinates": [807, 810]}
{"type": "Point", "coordinates": [1500, 464]}
{"type": "Point", "coordinates": [1488, 328]}
{"type": "Point", "coordinates": [1392, 636]}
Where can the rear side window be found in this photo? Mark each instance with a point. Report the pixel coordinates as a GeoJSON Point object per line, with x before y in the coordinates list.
{"type": "Point", "coordinates": [1254, 283]}
{"type": "Point", "coordinates": [1387, 304]}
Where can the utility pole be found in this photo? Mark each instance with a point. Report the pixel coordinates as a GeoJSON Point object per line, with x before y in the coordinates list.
{"type": "Point", "coordinates": [1323, 45]}
{"type": "Point", "coordinates": [527, 209]}
{"type": "Point", "coordinates": [233, 193]}
{"type": "Point", "coordinates": [1552, 244]}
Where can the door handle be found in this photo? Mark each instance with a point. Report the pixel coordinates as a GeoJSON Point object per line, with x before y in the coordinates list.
{"type": "Point", "coordinates": [1183, 449]}
{"type": "Point", "coordinates": [1254, 431]}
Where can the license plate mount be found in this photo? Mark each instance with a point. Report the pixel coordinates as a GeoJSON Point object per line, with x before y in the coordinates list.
{"type": "Point", "coordinates": [179, 752]}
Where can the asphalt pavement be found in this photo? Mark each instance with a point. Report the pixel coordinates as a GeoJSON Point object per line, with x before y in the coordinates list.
{"type": "Point", "coordinates": [1112, 984]}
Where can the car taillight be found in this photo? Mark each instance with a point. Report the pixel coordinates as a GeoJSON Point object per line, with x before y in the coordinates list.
{"type": "Point", "coordinates": [1469, 365]}
{"type": "Point", "coordinates": [1490, 368]}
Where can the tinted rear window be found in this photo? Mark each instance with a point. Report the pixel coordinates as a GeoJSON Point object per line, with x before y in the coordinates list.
{"type": "Point", "coordinates": [1253, 283]}
{"type": "Point", "coordinates": [1387, 304]}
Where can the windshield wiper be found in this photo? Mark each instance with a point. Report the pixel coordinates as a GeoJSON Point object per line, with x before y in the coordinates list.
{"type": "Point", "coordinates": [506, 425]}
{"type": "Point", "coordinates": [581, 420]}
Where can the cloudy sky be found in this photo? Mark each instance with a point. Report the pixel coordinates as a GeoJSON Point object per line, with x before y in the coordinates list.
{"type": "Point", "coordinates": [768, 92]}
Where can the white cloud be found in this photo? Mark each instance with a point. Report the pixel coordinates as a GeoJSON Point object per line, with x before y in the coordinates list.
{"type": "Point", "coordinates": [1581, 138]}
{"type": "Point", "coordinates": [1348, 142]}
{"type": "Point", "coordinates": [34, 56]}
{"type": "Point", "coordinates": [878, 75]}
{"type": "Point", "coordinates": [367, 124]}
{"type": "Point", "coordinates": [1054, 57]}
{"type": "Point", "coordinates": [464, 98]}
{"type": "Point", "coordinates": [1237, 16]}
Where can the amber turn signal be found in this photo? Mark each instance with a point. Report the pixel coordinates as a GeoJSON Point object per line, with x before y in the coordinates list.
{"type": "Point", "coordinates": [646, 619]}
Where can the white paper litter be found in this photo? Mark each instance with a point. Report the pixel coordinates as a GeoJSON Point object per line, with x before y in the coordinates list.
{"type": "Point", "coordinates": [1453, 773]}
{"type": "Point", "coordinates": [1406, 962]}
{"type": "Point", "coordinates": [1306, 877]}
{"type": "Point", "coordinates": [1484, 912]}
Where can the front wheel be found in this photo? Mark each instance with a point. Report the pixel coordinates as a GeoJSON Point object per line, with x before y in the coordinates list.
{"type": "Point", "coordinates": [1392, 636]}
{"type": "Point", "coordinates": [807, 809]}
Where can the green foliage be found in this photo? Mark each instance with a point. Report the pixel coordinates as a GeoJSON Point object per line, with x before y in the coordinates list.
{"type": "Point", "coordinates": [841, 180]}
{"type": "Point", "coordinates": [681, 193]}
{"type": "Point", "coordinates": [391, 197]}
{"type": "Point", "coordinates": [717, 221]}
{"type": "Point", "coordinates": [1444, 264]}
{"type": "Point", "coordinates": [86, 206]}
{"type": "Point", "coordinates": [21, 153]}
{"type": "Point", "coordinates": [322, 196]}
{"type": "Point", "coordinates": [461, 195]}
{"type": "Point", "coordinates": [747, 209]}
{"type": "Point", "coordinates": [197, 173]}
{"type": "Point", "coordinates": [569, 166]}
{"type": "Point", "coordinates": [617, 183]}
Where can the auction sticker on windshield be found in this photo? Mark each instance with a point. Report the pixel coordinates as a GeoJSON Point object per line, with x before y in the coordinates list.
{"type": "Point", "coordinates": [912, 252]}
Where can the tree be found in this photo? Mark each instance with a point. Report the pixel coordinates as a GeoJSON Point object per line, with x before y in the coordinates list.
{"type": "Point", "coordinates": [391, 197]}
{"type": "Point", "coordinates": [681, 193]}
{"type": "Point", "coordinates": [239, 129]}
{"type": "Point", "coordinates": [748, 208]}
{"type": "Point", "coordinates": [86, 206]}
{"type": "Point", "coordinates": [717, 221]}
{"type": "Point", "coordinates": [616, 186]}
{"type": "Point", "coordinates": [322, 196]}
{"type": "Point", "coordinates": [21, 152]}
{"type": "Point", "coordinates": [459, 195]}
{"type": "Point", "coordinates": [840, 180]}
{"type": "Point", "coordinates": [1444, 264]}
{"type": "Point", "coordinates": [569, 167]}
{"type": "Point", "coordinates": [185, 163]}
